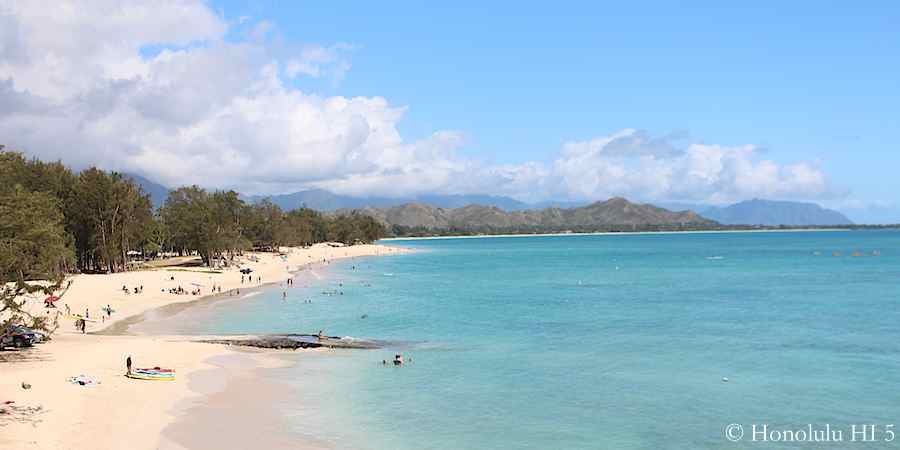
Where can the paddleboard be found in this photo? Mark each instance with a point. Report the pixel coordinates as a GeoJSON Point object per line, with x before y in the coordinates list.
{"type": "Point", "coordinates": [74, 317]}
{"type": "Point", "coordinates": [146, 376]}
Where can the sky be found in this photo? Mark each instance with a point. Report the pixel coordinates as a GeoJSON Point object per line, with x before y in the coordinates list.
{"type": "Point", "coordinates": [698, 103]}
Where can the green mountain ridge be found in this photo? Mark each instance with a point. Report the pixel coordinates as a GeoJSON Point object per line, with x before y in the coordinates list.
{"type": "Point", "coordinates": [610, 213]}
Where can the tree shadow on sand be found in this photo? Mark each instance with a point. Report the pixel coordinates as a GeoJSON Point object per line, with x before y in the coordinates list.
{"type": "Point", "coordinates": [21, 355]}
{"type": "Point", "coordinates": [10, 414]}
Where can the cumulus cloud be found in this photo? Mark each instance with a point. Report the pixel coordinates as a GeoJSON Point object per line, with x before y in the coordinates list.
{"type": "Point", "coordinates": [176, 92]}
{"type": "Point", "coordinates": [320, 61]}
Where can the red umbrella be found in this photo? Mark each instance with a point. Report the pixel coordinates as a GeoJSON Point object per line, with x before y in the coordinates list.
{"type": "Point", "coordinates": [51, 299]}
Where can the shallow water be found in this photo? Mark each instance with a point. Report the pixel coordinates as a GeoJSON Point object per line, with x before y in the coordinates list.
{"type": "Point", "coordinates": [587, 342]}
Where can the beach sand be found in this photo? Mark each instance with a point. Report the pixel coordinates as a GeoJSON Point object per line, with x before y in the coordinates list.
{"type": "Point", "coordinates": [124, 413]}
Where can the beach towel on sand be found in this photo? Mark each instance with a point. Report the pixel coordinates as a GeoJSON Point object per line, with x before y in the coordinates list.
{"type": "Point", "coordinates": [83, 380]}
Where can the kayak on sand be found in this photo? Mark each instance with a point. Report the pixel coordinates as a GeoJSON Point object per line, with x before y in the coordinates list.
{"type": "Point", "coordinates": [152, 374]}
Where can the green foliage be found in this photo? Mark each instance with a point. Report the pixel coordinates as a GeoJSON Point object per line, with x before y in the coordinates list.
{"type": "Point", "coordinates": [35, 252]}
{"type": "Point", "coordinates": [109, 215]}
{"type": "Point", "coordinates": [219, 224]}
{"type": "Point", "coordinates": [210, 224]}
{"type": "Point", "coordinates": [33, 241]}
{"type": "Point", "coordinates": [53, 222]}
{"type": "Point", "coordinates": [354, 228]}
{"type": "Point", "coordinates": [106, 215]}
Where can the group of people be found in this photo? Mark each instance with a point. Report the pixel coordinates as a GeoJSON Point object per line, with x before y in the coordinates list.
{"type": "Point", "coordinates": [250, 279]}
{"type": "Point", "coordinates": [137, 289]}
{"type": "Point", "coordinates": [181, 291]}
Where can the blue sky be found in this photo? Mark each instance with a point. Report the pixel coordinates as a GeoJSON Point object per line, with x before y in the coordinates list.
{"type": "Point", "coordinates": [806, 81]}
{"type": "Point", "coordinates": [522, 78]}
{"type": "Point", "coordinates": [704, 102]}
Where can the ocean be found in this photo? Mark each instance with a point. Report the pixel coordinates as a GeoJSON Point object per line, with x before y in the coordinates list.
{"type": "Point", "coordinates": [654, 341]}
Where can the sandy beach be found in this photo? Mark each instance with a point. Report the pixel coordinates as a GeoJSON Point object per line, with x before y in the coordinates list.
{"type": "Point", "coordinates": [119, 412]}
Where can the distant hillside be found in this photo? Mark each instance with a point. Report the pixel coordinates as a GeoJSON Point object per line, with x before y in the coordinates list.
{"type": "Point", "coordinates": [158, 192]}
{"type": "Point", "coordinates": [773, 213]}
{"type": "Point", "coordinates": [322, 200]}
{"type": "Point", "coordinates": [611, 213]}
{"type": "Point", "coordinates": [489, 211]}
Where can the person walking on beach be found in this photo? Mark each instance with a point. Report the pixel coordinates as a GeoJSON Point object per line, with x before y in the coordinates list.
{"type": "Point", "coordinates": [128, 365]}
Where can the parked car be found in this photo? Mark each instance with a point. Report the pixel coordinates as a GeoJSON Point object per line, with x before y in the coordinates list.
{"type": "Point", "coordinates": [17, 336]}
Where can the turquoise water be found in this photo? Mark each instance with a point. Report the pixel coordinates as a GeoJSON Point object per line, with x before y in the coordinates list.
{"type": "Point", "coordinates": [596, 342]}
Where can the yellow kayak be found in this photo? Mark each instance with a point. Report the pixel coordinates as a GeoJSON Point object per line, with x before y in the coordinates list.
{"type": "Point", "coordinates": [151, 375]}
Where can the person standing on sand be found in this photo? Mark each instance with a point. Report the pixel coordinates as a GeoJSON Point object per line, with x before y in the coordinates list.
{"type": "Point", "coordinates": [128, 365]}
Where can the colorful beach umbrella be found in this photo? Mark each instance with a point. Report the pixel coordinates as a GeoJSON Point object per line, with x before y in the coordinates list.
{"type": "Point", "coordinates": [51, 299]}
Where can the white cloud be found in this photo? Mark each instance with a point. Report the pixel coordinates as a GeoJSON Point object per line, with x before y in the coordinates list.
{"type": "Point", "coordinates": [632, 164]}
{"type": "Point", "coordinates": [319, 61]}
{"type": "Point", "coordinates": [78, 83]}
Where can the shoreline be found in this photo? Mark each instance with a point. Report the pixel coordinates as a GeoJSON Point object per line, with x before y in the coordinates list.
{"type": "Point", "coordinates": [54, 413]}
{"type": "Point", "coordinates": [609, 233]}
{"type": "Point", "coordinates": [122, 327]}
{"type": "Point", "coordinates": [231, 397]}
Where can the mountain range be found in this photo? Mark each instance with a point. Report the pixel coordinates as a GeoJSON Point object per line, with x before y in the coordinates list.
{"type": "Point", "coordinates": [158, 192]}
{"type": "Point", "coordinates": [322, 200]}
{"type": "Point", "coordinates": [771, 213]}
{"type": "Point", "coordinates": [445, 210]}
{"type": "Point", "coordinates": [611, 213]}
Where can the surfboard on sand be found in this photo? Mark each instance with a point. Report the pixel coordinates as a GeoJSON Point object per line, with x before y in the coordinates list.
{"type": "Point", "coordinates": [152, 374]}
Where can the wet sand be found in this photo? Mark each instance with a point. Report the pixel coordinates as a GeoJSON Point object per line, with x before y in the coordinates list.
{"type": "Point", "coordinates": [122, 413]}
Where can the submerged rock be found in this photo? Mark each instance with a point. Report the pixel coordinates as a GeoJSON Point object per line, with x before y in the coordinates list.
{"type": "Point", "coordinates": [295, 341]}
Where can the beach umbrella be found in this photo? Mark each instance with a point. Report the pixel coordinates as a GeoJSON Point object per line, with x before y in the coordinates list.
{"type": "Point", "coordinates": [246, 270]}
{"type": "Point", "coordinates": [51, 299]}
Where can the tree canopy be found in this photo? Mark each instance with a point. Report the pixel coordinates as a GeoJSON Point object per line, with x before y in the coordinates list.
{"type": "Point", "coordinates": [54, 221]}
{"type": "Point", "coordinates": [105, 215]}
{"type": "Point", "coordinates": [35, 252]}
